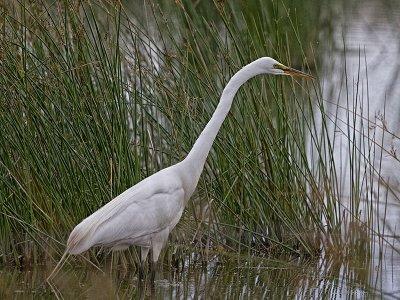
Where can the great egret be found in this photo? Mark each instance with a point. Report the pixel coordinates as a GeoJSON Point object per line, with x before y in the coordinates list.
{"type": "Point", "coordinates": [145, 214]}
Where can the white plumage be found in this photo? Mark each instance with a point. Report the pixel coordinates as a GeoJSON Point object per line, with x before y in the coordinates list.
{"type": "Point", "coordinates": [143, 215]}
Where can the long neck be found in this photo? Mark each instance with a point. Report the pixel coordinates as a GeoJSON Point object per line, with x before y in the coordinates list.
{"type": "Point", "coordinates": [198, 155]}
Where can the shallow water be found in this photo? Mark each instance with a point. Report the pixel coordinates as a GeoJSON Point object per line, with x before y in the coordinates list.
{"type": "Point", "coordinates": [364, 49]}
{"type": "Point", "coordinates": [217, 278]}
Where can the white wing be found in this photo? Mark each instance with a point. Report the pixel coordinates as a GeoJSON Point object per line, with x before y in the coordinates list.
{"type": "Point", "coordinates": [148, 207]}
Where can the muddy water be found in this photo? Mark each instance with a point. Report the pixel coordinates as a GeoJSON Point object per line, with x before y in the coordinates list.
{"type": "Point", "coordinates": [216, 278]}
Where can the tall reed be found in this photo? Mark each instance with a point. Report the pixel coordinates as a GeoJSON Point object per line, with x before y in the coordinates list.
{"type": "Point", "coordinates": [96, 97]}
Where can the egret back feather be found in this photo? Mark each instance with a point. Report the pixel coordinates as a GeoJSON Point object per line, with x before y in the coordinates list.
{"type": "Point", "coordinates": [135, 203]}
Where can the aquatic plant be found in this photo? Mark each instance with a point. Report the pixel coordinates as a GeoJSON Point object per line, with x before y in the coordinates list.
{"type": "Point", "coordinates": [94, 98]}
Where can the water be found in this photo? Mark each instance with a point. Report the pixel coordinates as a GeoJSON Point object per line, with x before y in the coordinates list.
{"type": "Point", "coordinates": [195, 278]}
{"type": "Point", "coordinates": [367, 27]}
{"type": "Point", "coordinates": [366, 38]}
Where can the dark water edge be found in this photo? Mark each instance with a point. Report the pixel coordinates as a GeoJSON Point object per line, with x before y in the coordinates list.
{"type": "Point", "coordinates": [216, 277]}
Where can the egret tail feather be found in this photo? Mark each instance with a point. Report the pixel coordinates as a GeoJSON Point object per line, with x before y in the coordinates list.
{"type": "Point", "coordinates": [59, 265]}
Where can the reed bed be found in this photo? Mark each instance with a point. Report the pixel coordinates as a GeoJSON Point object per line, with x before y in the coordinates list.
{"type": "Point", "coordinates": [96, 96]}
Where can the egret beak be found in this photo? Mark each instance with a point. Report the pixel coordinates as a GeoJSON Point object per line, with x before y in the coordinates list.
{"type": "Point", "coordinates": [293, 72]}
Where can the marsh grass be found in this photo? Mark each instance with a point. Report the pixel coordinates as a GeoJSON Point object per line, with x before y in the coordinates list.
{"type": "Point", "coordinates": [196, 278]}
{"type": "Point", "coordinates": [94, 99]}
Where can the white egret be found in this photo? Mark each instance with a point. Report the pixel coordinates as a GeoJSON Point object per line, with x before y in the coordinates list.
{"type": "Point", "coordinates": [145, 214]}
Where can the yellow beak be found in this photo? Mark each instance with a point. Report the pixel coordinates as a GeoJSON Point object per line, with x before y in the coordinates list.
{"type": "Point", "coordinates": [293, 72]}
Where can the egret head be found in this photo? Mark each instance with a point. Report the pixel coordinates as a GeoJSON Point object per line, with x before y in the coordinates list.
{"type": "Point", "coordinates": [271, 66]}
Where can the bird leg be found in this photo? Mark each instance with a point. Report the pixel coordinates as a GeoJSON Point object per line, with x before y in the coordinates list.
{"type": "Point", "coordinates": [155, 253]}
{"type": "Point", "coordinates": [141, 271]}
{"type": "Point", "coordinates": [153, 268]}
{"type": "Point", "coordinates": [143, 255]}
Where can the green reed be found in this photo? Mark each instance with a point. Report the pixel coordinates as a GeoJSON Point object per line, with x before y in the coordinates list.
{"type": "Point", "coordinates": [96, 97]}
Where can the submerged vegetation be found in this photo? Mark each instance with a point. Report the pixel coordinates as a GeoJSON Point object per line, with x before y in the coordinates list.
{"type": "Point", "coordinates": [95, 97]}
